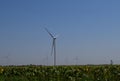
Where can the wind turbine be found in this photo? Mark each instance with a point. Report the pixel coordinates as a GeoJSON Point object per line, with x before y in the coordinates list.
{"type": "Point", "coordinates": [53, 45]}
{"type": "Point", "coordinates": [6, 58]}
{"type": "Point", "coordinates": [76, 60]}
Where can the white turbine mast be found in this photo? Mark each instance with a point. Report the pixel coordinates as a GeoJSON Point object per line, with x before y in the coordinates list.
{"type": "Point", "coordinates": [53, 51]}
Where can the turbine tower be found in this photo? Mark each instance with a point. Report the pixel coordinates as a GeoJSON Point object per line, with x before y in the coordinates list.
{"type": "Point", "coordinates": [53, 51]}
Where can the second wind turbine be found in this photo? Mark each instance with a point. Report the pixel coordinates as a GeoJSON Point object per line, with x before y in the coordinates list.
{"type": "Point", "coordinates": [53, 45]}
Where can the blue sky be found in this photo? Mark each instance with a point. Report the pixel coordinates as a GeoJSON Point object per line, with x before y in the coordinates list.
{"type": "Point", "coordinates": [88, 29]}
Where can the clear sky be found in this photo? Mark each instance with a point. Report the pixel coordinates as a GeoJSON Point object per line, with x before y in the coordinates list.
{"type": "Point", "coordinates": [89, 31]}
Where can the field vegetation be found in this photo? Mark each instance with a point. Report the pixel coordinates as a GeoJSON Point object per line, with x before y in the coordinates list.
{"type": "Point", "coordinates": [60, 73]}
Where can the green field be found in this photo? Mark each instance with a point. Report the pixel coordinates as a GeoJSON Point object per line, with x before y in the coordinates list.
{"type": "Point", "coordinates": [60, 73]}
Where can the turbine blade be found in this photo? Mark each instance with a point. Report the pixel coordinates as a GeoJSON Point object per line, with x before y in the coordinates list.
{"type": "Point", "coordinates": [49, 33]}
{"type": "Point", "coordinates": [52, 47]}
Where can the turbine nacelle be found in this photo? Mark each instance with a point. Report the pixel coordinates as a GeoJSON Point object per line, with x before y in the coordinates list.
{"type": "Point", "coordinates": [56, 36]}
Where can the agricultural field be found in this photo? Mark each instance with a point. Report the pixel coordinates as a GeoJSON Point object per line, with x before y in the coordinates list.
{"type": "Point", "coordinates": [60, 73]}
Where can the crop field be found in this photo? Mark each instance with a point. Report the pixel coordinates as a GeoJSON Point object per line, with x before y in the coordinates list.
{"type": "Point", "coordinates": [60, 73]}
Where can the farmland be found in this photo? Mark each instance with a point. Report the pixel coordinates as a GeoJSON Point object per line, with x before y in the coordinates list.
{"type": "Point", "coordinates": [60, 73]}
